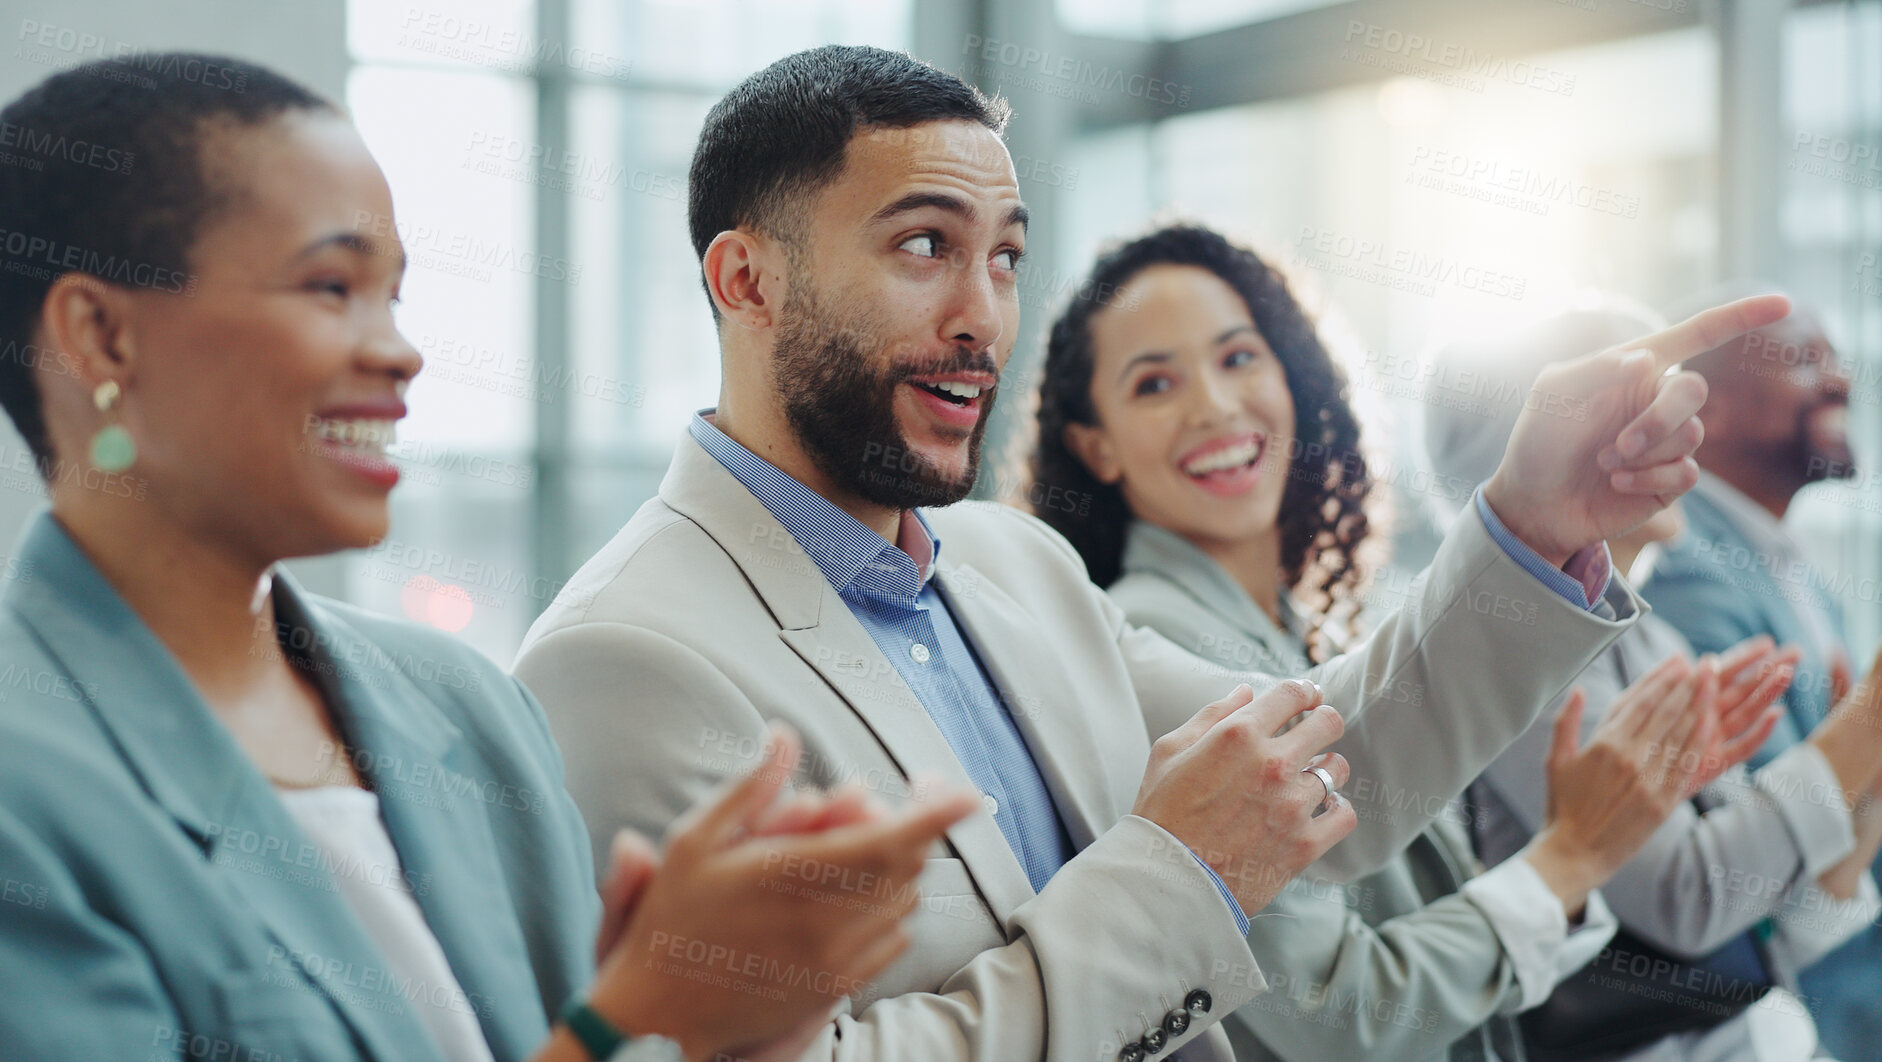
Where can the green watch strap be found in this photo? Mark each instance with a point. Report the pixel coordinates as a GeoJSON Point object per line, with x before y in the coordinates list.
{"type": "Point", "coordinates": [597, 1034]}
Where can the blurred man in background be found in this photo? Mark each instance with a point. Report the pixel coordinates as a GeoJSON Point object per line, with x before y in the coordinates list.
{"type": "Point", "coordinates": [1776, 421]}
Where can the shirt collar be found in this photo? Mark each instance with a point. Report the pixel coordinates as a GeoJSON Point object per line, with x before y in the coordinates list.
{"type": "Point", "coordinates": [1752, 520]}
{"type": "Point", "coordinates": [853, 557]}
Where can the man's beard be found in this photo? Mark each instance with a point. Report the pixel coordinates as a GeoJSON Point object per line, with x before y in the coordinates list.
{"type": "Point", "coordinates": [1822, 459]}
{"type": "Point", "coordinates": [842, 408]}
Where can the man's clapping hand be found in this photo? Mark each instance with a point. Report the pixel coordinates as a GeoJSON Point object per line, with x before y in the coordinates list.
{"type": "Point", "coordinates": [1234, 788]}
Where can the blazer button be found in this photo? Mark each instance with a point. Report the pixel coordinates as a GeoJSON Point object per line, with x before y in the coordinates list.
{"type": "Point", "coordinates": [1155, 1040]}
{"type": "Point", "coordinates": [1176, 1022]}
{"type": "Point", "coordinates": [1198, 1001]}
{"type": "Point", "coordinates": [1131, 1053]}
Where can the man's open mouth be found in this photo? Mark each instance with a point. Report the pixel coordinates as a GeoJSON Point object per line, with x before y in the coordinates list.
{"type": "Point", "coordinates": [959, 394]}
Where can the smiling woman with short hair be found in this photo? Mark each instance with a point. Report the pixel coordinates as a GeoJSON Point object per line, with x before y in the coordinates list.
{"type": "Point", "coordinates": [251, 822]}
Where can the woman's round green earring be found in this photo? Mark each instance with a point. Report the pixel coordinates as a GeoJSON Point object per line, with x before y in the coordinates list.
{"type": "Point", "coordinates": [112, 449]}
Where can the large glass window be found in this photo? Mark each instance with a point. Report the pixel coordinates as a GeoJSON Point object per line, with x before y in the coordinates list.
{"type": "Point", "coordinates": [1831, 225]}
{"type": "Point", "coordinates": [449, 97]}
{"type": "Point", "coordinates": [1412, 211]}
{"type": "Point", "coordinates": [458, 555]}
{"type": "Point", "coordinates": [1431, 202]}
{"type": "Point", "coordinates": [1172, 18]}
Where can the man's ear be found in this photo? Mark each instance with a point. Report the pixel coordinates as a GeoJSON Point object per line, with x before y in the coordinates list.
{"type": "Point", "coordinates": [1093, 446]}
{"type": "Point", "coordinates": [744, 275]}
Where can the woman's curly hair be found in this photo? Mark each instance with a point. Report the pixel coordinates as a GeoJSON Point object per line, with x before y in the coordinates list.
{"type": "Point", "coordinates": [1323, 517]}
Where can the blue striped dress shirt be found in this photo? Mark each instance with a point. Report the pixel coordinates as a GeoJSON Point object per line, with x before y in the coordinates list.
{"type": "Point", "coordinates": [896, 602]}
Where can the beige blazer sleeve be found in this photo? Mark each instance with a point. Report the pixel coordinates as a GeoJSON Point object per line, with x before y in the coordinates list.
{"type": "Point", "coordinates": [1442, 685]}
{"type": "Point", "coordinates": [664, 657]}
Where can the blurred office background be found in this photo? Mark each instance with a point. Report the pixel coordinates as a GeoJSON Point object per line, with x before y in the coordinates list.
{"type": "Point", "coordinates": [1425, 169]}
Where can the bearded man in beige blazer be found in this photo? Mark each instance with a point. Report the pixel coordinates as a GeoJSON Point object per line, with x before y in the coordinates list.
{"type": "Point", "coordinates": [860, 226]}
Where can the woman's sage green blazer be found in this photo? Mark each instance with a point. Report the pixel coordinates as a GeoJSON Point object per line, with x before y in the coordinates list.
{"type": "Point", "coordinates": [157, 901]}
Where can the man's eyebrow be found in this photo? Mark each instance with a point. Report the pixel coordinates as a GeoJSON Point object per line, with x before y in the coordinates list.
{"type": "Point", "coordinates": [1020, 216]}
{"type": "Point", "coordinates": [358, 244]}
{"type": "Point", "coordinates": [917, 200]}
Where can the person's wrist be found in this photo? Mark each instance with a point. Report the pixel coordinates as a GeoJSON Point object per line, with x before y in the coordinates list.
{"type": "Point", "coordinates": [629, 1002]}
{"type": "Point", "coordinates": [1569, 871]}
{"type": "Point", "coordinates": [601, 1040]}
{"type": "Point", "coordinates": [1507, 506]}
{"type": "Point", "coordinates": [1846, 743]}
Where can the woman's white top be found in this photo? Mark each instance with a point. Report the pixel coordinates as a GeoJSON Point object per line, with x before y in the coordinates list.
{"type": "Point", "coordinates": [344, 823]}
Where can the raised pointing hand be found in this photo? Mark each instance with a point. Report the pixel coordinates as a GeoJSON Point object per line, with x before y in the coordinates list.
{"type": "Point", "coordinates": [1605, 441]}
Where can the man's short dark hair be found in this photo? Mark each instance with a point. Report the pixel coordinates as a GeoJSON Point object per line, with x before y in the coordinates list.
{"type": "Point", "coordinates": [782, 133]}
{"type": "Point", "coordinates": [104, 176]}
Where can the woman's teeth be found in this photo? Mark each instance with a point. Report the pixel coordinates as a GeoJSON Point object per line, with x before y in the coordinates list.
{"type": "Point", "coordinates": [360, 433]}
{"type": "Point", "coordinates": [1221, 460]}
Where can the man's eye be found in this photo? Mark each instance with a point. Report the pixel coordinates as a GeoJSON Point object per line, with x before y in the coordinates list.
{"type": "Point", "coordinates": [1011, 257]}
{"type": "Point", "coordinates": [330, 287]}
{"type": "Point", "coordinates": [925, 246]}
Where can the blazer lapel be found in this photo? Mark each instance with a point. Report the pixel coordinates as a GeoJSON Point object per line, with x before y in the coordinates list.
{"type": "Point", "coordinates": [847, 658]}
{"type": "Point", "coordinates": [191, 765]}
{"type": "Point", "coordinates": [429, 785]}
{"type": "Point", "coordinates": [816, 624]}
{"type": "Point", "coordinates": [1029, 675]}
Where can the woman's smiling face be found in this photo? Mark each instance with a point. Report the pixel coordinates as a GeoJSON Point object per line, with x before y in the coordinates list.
{"type": "Point", "coordinates": [262, 401]}
{"type": "Point", "coordinates": [1195, 421]}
